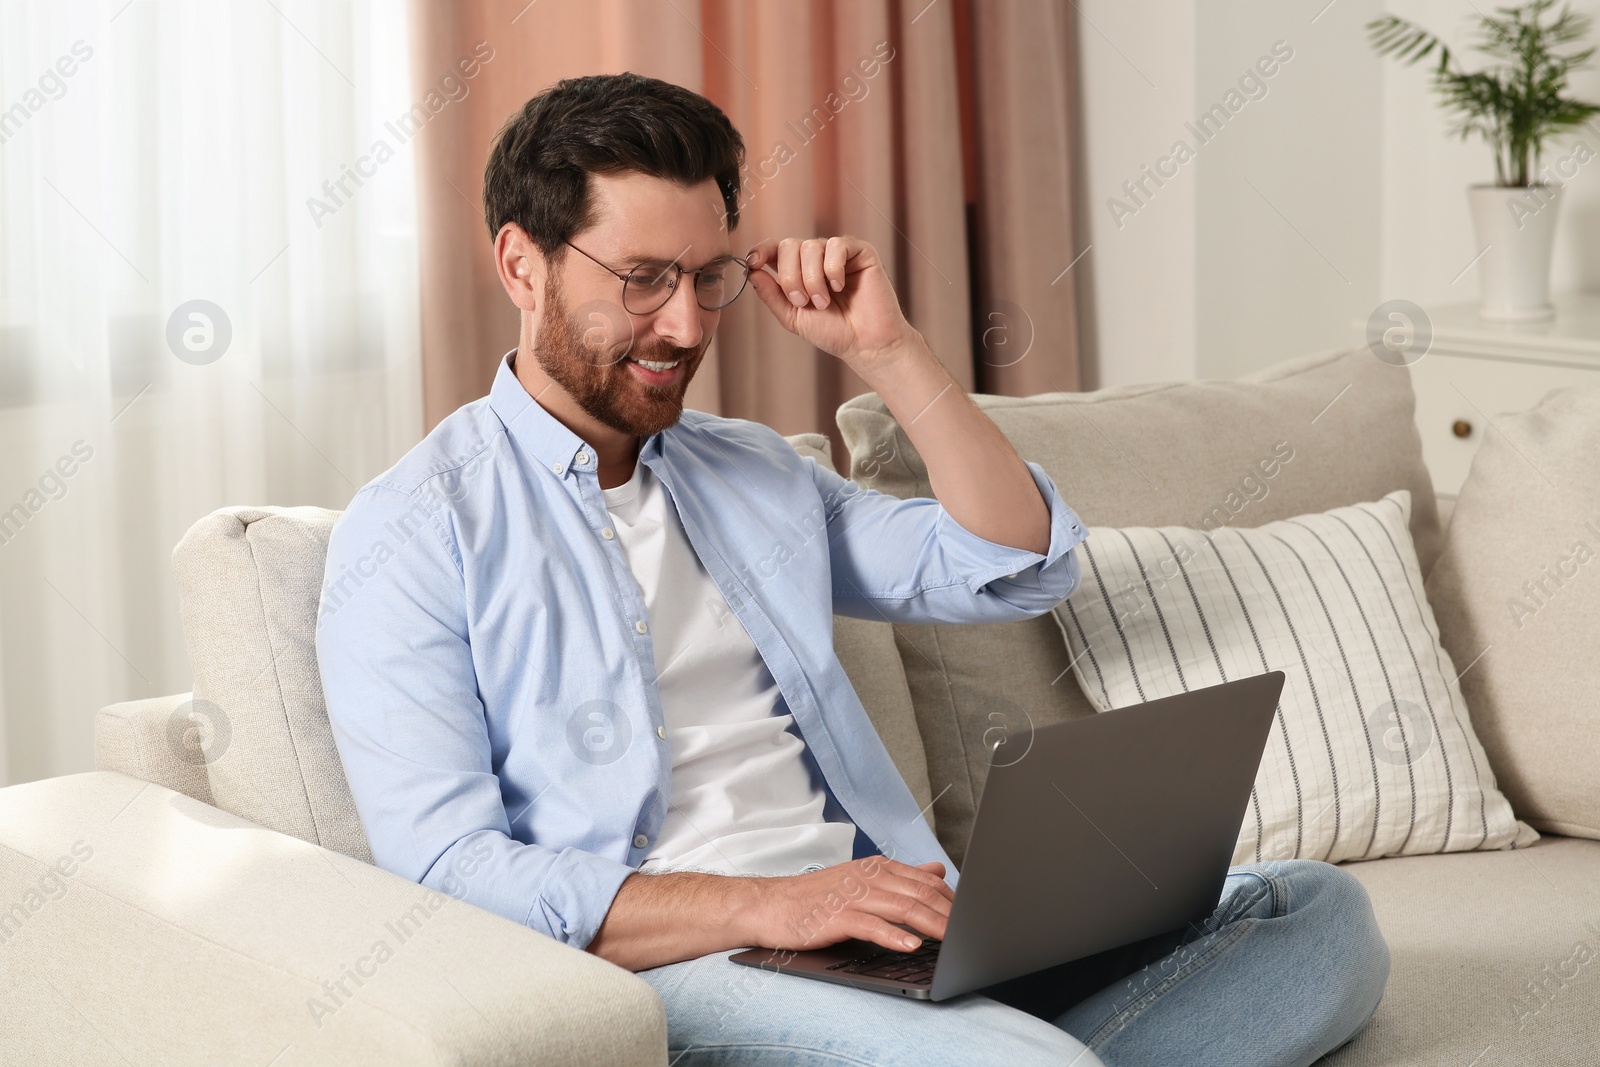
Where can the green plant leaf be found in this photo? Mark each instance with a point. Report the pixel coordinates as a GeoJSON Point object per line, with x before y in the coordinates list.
{"type": "Point", "coordinates": [1517, 103]}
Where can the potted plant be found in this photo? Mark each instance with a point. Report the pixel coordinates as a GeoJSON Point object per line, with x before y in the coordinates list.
{"type": "Point", "coordinates": [1516, 103]}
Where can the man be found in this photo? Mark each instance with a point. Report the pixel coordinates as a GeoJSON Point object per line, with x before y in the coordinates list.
{"type": "Point", "coordinates": [576, 645]}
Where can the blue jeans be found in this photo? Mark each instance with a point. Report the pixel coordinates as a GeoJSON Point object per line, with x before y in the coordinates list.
{"type": "Point", "coordinates": [1289, 967]}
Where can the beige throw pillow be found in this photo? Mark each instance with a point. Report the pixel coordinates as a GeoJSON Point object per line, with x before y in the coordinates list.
{"type": "Point", "coordinates": [1371, 752]}
{"type": "Point", "coordinates": [1517, 593]}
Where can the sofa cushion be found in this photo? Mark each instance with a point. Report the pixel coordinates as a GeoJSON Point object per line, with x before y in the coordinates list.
{"type": "Point", "coordinates": [1165, 454]}
{"type": "Point", "coordinates": [249, 584]}
{"type": "Point", "coordinates": [1371, 752]}
{"type": "Point", "coordinates": [1495, 959]}
{"type": "Point", "coordinates": [1517, 593]}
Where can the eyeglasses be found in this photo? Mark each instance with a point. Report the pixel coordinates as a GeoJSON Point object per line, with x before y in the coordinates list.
{"type": "Point", "coordinates": [649, 286]}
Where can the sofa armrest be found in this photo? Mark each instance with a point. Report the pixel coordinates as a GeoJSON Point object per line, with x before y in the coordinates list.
{"type": "Point", "coordinates": [132, 738]}
{"type": "Point", "coordinates": [142, 926]}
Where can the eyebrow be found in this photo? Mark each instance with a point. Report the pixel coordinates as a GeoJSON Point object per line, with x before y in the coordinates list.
{"type": "Point", "coordinates": [657, 261]}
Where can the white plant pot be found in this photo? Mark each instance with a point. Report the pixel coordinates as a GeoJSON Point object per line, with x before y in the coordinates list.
{"type": "Point", "coordinates": [1518, 228]}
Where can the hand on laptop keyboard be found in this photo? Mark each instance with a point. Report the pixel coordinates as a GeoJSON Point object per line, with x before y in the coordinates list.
{"type": "Point", "coordinates": [862, 899]}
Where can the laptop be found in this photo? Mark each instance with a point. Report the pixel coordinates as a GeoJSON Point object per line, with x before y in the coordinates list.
{"type": "Point", "coordinates": [1112, 828]}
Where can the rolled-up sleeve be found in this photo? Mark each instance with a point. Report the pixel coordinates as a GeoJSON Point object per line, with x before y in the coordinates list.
{"type": "Point", "coordinates": [397, 672]}
{"type": "Point", "coordinates": [909, 561]}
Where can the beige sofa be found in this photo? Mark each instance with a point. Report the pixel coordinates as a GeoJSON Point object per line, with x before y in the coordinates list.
{"type": "Point", "coordinates": [217, 904]}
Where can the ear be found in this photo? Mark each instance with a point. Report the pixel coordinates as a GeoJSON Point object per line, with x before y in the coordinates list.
{"type": "Point", "coordinates": [521, 266]}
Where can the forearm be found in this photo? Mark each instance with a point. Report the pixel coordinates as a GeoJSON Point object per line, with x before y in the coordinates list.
{"type": "Point", "coordinates": [656, 919]}
{"type": "Point", "coordinates": [975, 472]}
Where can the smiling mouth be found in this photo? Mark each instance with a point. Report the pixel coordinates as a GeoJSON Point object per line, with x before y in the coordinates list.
{"type": "Point", "coordinates": [659, 373]}
{"type": "Point", "coordinates": [656, 366]}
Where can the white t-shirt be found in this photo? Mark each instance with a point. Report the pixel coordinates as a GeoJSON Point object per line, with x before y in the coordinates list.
{"type": "Point", "coordinates": [744, 800]}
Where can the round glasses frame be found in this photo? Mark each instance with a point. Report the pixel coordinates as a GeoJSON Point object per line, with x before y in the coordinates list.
{"type": "Point", "coordinates": [651, 273]}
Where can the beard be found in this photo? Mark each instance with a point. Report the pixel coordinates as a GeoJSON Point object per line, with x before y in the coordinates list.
{"type": "Point", "coordinates": [587, 355]}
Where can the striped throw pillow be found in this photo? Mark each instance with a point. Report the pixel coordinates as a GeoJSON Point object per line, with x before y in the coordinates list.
{"type": "Point", "coordinates": [1371, 752]}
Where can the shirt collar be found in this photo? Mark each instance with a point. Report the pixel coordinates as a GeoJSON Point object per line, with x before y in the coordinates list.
{"type": "Point", "coordinates": [540, 434]}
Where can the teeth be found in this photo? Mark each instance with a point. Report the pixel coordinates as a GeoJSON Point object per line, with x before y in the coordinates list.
{"type": "Point", "coordinates": [656, 366]}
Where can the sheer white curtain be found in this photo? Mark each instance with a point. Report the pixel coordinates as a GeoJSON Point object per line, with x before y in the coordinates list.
{"type": "Point", "coordinates": [155, 155]}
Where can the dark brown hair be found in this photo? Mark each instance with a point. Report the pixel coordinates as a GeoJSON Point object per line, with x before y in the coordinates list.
{"type": "Point", "coordinates": [538, 171]}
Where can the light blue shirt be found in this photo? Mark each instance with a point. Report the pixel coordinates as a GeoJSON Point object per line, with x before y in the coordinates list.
{"type": "Point", "coordinates": [486, 655]}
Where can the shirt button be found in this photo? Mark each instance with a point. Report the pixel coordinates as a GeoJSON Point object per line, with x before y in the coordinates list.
{"type": "Point", "coordinates": [661, 732]}
{"type": "Point", "coordinates": [582, 458]}
{"type": "Point", "coordinates": [608, 533]}
{"type": "Point", "coordinates": [558, 468]}
{"type": "Point", "coordinates": [641, 627]}
{"type": "Point", "coordinates": [640, 840]}
{"type": "Point", "coordinates": [1012, 574]}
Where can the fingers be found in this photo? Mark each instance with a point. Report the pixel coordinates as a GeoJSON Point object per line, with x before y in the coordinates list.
{"type": "Point", "coordinates": [808, 272]}
{"type": "Point", "coordinates": [771, 294]}
{"type": "Point", "coordinates": [762, 253]}
{"type": "Point", "coordinates": [816, 286]}
{"type": "Point", "coordinates": [833, 261]}
{"type": "Point", "coordinates": [789, 274]}
{"type": "Point", "coordinates": [862, 898]}
{"type": "Point", "coordinates": [924, 924]}
{"type": "Point", "coordinates": [898, 893]}
{"type": "Point", "coordinates": [916, 905]}
{"type": "Point", "coordinates": [929, 874]}
{"type": "Point", "coordinates": [886, 934]}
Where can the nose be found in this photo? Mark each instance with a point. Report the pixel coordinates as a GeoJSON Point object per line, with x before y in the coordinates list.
{"type": "Point", "coordinates": [679, 320]}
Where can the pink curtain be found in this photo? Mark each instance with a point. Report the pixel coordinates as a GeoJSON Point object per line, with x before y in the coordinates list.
{"type": "Point", "coordinates": [944, 139]}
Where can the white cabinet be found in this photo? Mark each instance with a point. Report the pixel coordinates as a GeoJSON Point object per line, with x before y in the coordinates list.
{"type": "Point", "coordinates": [1476, 371]}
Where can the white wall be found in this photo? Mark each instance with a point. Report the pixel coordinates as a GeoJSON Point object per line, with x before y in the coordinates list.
{"type": "Point", "coordinates": [1358, 192]}
{"type": "Point", "coordinates": [1138, 91]}
{"type": "Point", "coordinates": [1288, 232]}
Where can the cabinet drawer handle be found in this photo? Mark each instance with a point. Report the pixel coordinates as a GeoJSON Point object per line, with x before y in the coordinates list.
{"type": "Point", "coordinates": [1461, 428]}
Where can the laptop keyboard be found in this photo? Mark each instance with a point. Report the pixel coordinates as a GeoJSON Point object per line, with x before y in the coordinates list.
{"type": "Point", "coordinates": [913, 968]}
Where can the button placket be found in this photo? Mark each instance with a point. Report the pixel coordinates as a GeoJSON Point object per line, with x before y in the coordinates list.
{"type": "Point", "coordinates": [592, 501]}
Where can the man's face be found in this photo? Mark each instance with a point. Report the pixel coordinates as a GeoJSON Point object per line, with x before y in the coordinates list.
{"type": "Point", "coordinates": [590, 345]}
